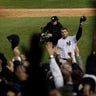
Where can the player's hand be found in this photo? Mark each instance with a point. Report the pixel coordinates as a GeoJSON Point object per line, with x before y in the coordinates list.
{"type": "Point", "coordinates": [82, 19]}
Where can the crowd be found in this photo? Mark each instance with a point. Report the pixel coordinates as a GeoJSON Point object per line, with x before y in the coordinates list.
{"type": "Point", "coordinates": [63, 75]}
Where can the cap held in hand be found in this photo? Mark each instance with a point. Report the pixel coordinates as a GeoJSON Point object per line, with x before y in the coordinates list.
{"type": "Point", "coordinates": [83, 19]}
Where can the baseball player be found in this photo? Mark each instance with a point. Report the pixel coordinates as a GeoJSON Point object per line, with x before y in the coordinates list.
{"type": "Point", "coordinates": [67, 44]}
{"type": "Point", "coordinates": [53, 30]}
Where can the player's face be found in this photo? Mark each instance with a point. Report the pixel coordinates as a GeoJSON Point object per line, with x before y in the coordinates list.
{"type": "Point", "coordinates": [64, 33]}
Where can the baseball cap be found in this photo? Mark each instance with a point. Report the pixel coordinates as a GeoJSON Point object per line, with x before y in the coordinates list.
{"type": "Point", "coordinates": [54, 18]}
{"type": "Point", "coordinates": [14, 40]}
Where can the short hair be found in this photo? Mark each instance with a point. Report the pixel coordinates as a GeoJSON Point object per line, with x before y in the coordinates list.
{"type": "Point", "coordinates": [64, 28]}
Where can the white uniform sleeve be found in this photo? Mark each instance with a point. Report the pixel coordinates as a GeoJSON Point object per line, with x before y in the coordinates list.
{"type": "Point", "coordinates": [56, 72]}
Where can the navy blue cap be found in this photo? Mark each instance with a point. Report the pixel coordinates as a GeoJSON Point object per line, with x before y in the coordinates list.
{"type": "Point", "coordinates": [54, 18]}
{"type": "Point", "coordinates": [14, 39]}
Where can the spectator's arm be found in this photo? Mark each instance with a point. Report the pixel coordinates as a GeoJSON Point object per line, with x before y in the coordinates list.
{"type": "Point", "coordinates": [78, 58]}
{"type": "Point", "coordinates": [56, 72]}
{"type": "Point", "coordinates": [11, 66]}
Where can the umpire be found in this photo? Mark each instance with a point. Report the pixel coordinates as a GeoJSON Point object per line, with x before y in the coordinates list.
{"type": "Point", "coordinates": [53, 30]}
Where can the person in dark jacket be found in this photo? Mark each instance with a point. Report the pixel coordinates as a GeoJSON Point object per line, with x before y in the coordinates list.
{"type": "Point", "coordinates": [53, 30]}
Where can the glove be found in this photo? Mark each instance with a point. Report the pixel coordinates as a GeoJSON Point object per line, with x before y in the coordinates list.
{"type": "Point", "coordinates": [83, 19]}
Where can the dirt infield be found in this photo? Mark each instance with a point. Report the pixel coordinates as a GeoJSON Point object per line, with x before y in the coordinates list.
{"type": "Point", "coordinates": [47, 12]}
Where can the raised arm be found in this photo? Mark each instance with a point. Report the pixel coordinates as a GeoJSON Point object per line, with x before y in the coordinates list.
{"type": "Point", "coordinates": [54, 68]}
{"type": "Point", "coordinates": [79, 32]}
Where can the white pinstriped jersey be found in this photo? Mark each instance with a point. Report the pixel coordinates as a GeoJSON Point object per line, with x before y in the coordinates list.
{"type": "Point", "coordinates": [67, 45]}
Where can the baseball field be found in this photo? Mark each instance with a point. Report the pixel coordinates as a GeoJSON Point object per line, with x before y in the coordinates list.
{"type": "Point", "coordinates": [48, 4]}
{"type": "Point", "coordinates": [22, 18]}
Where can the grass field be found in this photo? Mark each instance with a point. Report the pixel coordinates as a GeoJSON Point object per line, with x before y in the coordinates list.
{"type": "Point", "coordinates": [47, 3]}
{"type": "Point", "coordinates": [25, 27]}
